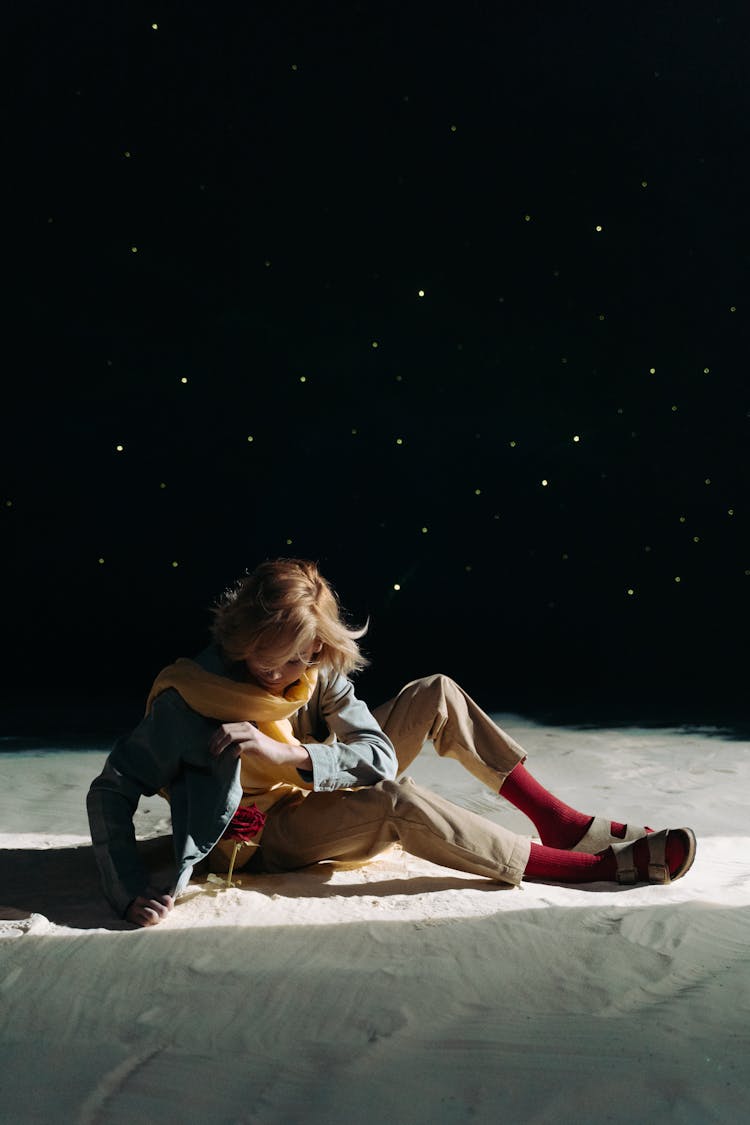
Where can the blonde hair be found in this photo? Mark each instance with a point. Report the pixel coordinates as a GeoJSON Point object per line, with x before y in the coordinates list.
{"type": "Point", "coordinates": [282, 608]}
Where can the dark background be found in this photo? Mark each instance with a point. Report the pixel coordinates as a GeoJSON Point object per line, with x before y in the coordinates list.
{"type": "Point", "coordinates": [211, 225]}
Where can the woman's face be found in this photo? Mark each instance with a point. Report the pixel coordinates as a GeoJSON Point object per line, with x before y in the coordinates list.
{"type": "Point", "coordinates": [277, 680]}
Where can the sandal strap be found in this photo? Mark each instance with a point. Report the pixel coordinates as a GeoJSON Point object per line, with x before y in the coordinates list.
{"type": "Point", "coordinates": [598, 836]}
{"type": "Point", "coordinates": [624, 852]}
{"type": "Point", "coordinates": [658, 872]}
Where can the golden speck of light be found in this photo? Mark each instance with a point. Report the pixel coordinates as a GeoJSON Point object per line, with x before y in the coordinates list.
{"type": "Point", "coordinates": [677, 578]}
{"type": "Point", "coordinates": [119, 448]}
{"type": "Point", "coordinates": [706, 370]}
{"type": "Point", "coordinates": [250, 437]}
{"type": "Point", "coordinates": [289, 542]}
{"type": "Point", "coordinates": [652, 370]}
{"type": "Point", "coordinates": [126, 154]}
{"type": "Point", "coordinates": [183, 379]}
{"type": "Point", "coordinates": [601, 316]}
{"type": "Point", "coordinates": [545, 482]}
{"type": "Point", "coordinates": [101, 562]}
{"type": "Point", "coordinates": [303, 378]}
{"type": "Point", "coordinates": [8, 503]}
{"type": "Point", "coordinates": [631, 591]}
{"type": "Point", "coordinates": [747, 572]}
{"type": "Point", "coordinates": [375, 343]}
{"type": "Point", "coordinates": [396, 586]}
{"type": "Point", "coordinates": [453, 128]}
{"type": "Point", "coordinates": [175, 563]}
{"type": "Point", "coordinates": [576, 437]}
{"type": "Point", "coordinates": [399, 441]}
{"type": "Point", "coordinates": [730, 511]}
{"type": "Point", "coordinates": [707, 480]}
{"type": "Point", "coordinates": [674, 409]}
{"type": "Point", "coordinates": [294, 66]}
{"type": "Point", "coordinates": [696, 538]}
{"type": "Point", "coordinates": [527, 218]}
{"type": "Point", "coordinates": [420, 293]}
{"type": "Point", "coordinates": [477, 492]}
{"type": "Point", "coordinates": [154, 27]}
{"type": "Point", "coordinates": [133, 249]}
{"type": "Point", "coordinates": [733, 308]}
{"type": "Point", "coordinates": [644, 183]}
{"type": "Point", "coordinates": [354, 432]}
{"type": "Point", "coordinates": [424, 530]}
{"type": "Point", "coordinates": [683, 519]}
{"type": "Point", "coordinates": [162, 484]}
{"type": "Point", "coordinates": [598, 228]}
{"type": "Point", "coordinates": [512, 444]}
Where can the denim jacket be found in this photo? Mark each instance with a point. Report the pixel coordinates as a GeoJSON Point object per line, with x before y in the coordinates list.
{"type": "Point", "coordinates": [169, 748]}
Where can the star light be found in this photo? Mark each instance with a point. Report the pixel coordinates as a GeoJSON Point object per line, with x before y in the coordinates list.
{"type": "Point", "coordinates": [527, 218]}
{"type": "Point", "coordinates": [396, 586]}
{"type": "Point", "coordinates": [733, 308]}
{"type": "Point", "coordinates": [175, 563]}
{"type": "Point", "coordinates": [154, 27]}
{"type": "Point", "coordinates": [162, 484]}
{"type": "Point", "coordinates": [706, 370]}
{"type": "Point", "coordinates": [576, 438]}
{"type": "Point", "coordinates": [477, 492]}
{"type": "Point", "coordinates": [303, 378]}
{"type": "Point", "coordinates": [420, 293]}
{"type": "Point", "coordinates": [652, 370]}
{"type": "Point", "coordinates": [545, 482]}
{"type": "Point", "coordinates": [183, 379]}
{"type": "Point", "coordinates": [644, 183]}
{"type": "Point", "coordinates": [631, 591]}
{"type": "Point", "coordinates": [133, 249]}
{"type": "Point", "coordinates": [677, 578]}
{"type": "Point", "coordinates": [399, 441]}
{"type": "Point", "coordinates": [424, 530]}
{"type": "Point", "coordinates": [375, 343]}
{"type": "Point", "coordinates": [120, 448]}
{"type": "Point", "coordinates": [250, 437]}
{"type": "Point", "coordinates": [598, 229]}
{"type": "Point", "coordinates": [101, 562]}
{"type": "Point", "coordinates": [512, 444]}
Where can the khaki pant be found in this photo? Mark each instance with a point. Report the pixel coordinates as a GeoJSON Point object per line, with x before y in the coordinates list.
{"type": "Point", "coordinates": [355, 825]}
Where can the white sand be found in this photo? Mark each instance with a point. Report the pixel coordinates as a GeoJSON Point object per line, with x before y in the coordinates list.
{"type": "Point", "coordinates": [397, 992]}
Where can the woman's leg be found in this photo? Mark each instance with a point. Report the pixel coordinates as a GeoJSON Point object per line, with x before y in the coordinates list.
{"type": "Point", "coordinates": [357, 824]}
{"type": "Point", "coordinates": [435, 708]}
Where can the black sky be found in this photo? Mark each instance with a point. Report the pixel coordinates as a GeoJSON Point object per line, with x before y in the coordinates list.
{"type": "Point", "coordinates": [212, 224]}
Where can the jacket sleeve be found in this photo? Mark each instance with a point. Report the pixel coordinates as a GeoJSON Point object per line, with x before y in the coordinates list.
{"type": "Point", "coordinates": [140, 764]}
{"type": "Point", "coordinates": [359, 754]}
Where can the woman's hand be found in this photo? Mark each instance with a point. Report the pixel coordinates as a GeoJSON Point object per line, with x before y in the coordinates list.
{"type": "Point", "coordinates": [149, 909]}
{"type": "Point", "coordinates": [245, 738]}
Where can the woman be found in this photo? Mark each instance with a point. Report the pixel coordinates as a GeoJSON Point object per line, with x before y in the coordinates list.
{"type": "Point", "coordinates": [266, 719]}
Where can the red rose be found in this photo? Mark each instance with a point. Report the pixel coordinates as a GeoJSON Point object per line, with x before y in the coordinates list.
{"type": "Point", "coordinates": [246, 823]}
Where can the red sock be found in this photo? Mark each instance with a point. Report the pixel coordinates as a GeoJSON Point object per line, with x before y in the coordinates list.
{"type": "Point", "coordinates": [558, 825]}
{"type": "Point", "coordinates": [578, 867]}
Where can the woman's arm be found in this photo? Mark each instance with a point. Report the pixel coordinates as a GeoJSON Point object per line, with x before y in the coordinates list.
{"type": "Point", "coordinates": [140, 764]}
{"type": "Point", "coordinates": [360, 753]}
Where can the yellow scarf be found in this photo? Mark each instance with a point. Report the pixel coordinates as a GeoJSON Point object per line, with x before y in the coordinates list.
{"type": "Point", "coordinates": [228, 701]}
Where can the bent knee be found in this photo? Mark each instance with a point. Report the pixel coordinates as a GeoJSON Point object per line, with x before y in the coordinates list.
{"type": "Point", "coordinates": [438, 683]}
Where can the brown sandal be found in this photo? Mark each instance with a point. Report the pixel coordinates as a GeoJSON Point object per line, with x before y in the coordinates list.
{"type": "Point", "coordinates": [658, 872]}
